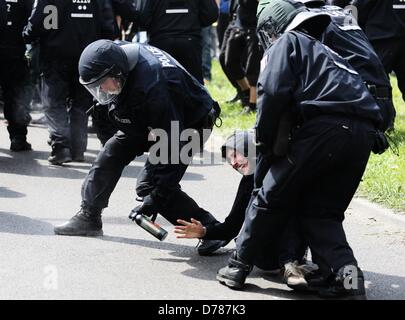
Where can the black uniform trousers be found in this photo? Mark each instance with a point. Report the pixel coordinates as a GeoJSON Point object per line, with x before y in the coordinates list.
{"type": "Point", "coordinates": [222, 55]}
{"type": "Point", "coordinates": [14, 82]}
{"type": "Point", "coordinates": [238, 42]}
{"type": "Point", "coordinates": [65, 103]}
{"type": "Point", "coordinates": [187, 50]}
{"type": "Point", "coordinates": [314, 184]}
{"type": "Point", "coordinates": [391, 53]}
{"type": "Point", "coordinates": [103, 176]}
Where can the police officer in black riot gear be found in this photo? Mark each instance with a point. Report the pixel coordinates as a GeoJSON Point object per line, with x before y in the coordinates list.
{"type": "Point", "coordinates": [175, 27]}
{"type": "Point", "coordinates": [337, 122]}
{"type": "Point", "coordinates": [384, 24]}
{"type": "Point", "coordinates": [63, 29]}
{"type": "Point", "coordinates": [344, 36]}
{"type": "Point", "coordinates": [145, 90]}
{"type": "Point", "coordinates": [14, 71]}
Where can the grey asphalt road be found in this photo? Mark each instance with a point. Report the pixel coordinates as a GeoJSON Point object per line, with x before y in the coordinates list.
{"type": "Point", "coordinates": [128, 263]}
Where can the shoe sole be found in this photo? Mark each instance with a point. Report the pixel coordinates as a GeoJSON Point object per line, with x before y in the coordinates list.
{"type": "Point", "coordinates": [229, 283]}
{"type": "Point", "coordinates": [97, 233]}
{"type": "Point", "coordinates": [60, 162]}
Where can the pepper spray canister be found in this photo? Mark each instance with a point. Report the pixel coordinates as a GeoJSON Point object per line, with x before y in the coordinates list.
{"type": "Point", "coordinates": [146, 223]}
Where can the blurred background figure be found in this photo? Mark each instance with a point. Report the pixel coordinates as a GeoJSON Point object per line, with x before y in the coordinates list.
{"type": "Point", "coordinates": [14, 72]}
{"type": "Point", "coordinates": [240, 53]}
{"type": "Point", "coordinates": [384, 25]}
{"type": "Point", "coordinates": [63, 29]}
{"type": "Point", "coordinates": [175, 27]}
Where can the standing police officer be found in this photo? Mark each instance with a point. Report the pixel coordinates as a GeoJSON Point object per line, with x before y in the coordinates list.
{"type": "Point", "coordinates": [14, 72]}
{"type": "Point", "coordinates": [145, 91]}
{"type": "Point", "coordinates": [344, 36]}
{"type": "Point", "coordinates": [384, 25]}
{"type": "Point", "coordinates": [317, 178]}
{"type": "Point", "coordinates": [175, 27]}
{"type": "Point", "coordinates": [64, 28]}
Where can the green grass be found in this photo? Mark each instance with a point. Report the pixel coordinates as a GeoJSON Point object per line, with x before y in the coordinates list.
{"type": "Point", "coordinates": [384, 179]}
{"type": "Point", "coordinates": [222, 90]}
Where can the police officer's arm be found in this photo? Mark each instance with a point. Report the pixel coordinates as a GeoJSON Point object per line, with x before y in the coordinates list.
{"type": "Point", "coordinates": [208, 12]}
{"type": "Point", "coordinates": [36, 21]}
{"type": "Point", "coordinates": [275, 93]}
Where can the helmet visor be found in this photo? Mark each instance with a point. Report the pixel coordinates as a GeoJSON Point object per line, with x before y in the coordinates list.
{"type": "Point", "coordinates": [266, 38]}
{"type": "Point", "coordinates": [106, 89]}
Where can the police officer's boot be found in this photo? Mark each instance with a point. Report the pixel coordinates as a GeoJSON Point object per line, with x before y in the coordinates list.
{"type": "Point", "coordinates": [60, 155]}
{"type": "Point", "coordinates": [235, 273]}
{"type": "Point", "coordinates": [87, 222]}
{"type": "Point", "coordinates": [19, 143]}
{"type": "Point", "coordinates": [347, 284]}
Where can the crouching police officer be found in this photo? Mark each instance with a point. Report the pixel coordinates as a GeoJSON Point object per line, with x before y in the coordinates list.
{"type": "Point", "coordinates": [145, 90]}
{"type": "Point", "coordinates": [328, 153]}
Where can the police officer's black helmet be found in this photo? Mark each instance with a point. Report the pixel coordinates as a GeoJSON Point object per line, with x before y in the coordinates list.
{"type": "Point", "coordinates": [100, 60]}
{"type": "Point", "coordinates": [278, 16]}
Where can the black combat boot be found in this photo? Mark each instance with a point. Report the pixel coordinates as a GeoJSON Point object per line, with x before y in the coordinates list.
{"type": "Point", "coordinates": [347, 284]}
{"type": "Point", "coordinates": [60, 155]}
{"type": "Point", "coordinates": [19, 143]}
{"type": "Point", "coordinates": [235, 273]}
{"type": "Point", "coordinates": [87, 222]}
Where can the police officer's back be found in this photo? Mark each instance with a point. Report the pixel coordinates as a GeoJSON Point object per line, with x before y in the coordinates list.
{"type": "Point", "coordinates": [63, 29]}
{"type": "Point", "coordinates": [14, 70]}
{"type": "Point", "coordinates": [175, 27]}
{"type": "Point", "coordinates": [344, 36]}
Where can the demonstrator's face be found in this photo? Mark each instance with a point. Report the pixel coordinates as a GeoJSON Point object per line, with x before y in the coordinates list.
{"type": "Point", "coordinates": [238, 161]}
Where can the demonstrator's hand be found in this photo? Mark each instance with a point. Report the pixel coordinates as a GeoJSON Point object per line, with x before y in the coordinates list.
{"type": "Point", "coordinates": [189, 230]}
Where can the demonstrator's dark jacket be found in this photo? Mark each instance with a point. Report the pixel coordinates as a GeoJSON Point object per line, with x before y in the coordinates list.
{"type": "Point", "coordinates": [13, 18]}
{"type": "Point", "coordinates": [306, 78]}
{"type": "Point", "coordinates": [64, 28]}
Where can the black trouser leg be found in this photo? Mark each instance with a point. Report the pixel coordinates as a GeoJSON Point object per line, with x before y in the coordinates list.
{"type": "Point", "coordinates": [55, 92]}
{"type": "Point", "coordinates": [14, 76]}
{"type": "Point", "coordinates": [399, 66]}
{"type": "Point", "coordinates": [222, 56]}
{"type": "Point", "coordinates": [103, 176]}
{"type": "Point", "coordinates": [178, 205]}
{"type": "Point", "coordinates": [320, 174]}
